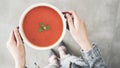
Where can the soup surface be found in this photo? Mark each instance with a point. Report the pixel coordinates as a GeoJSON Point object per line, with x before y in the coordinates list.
{"type": "Point", "coordinates": [48, 17]}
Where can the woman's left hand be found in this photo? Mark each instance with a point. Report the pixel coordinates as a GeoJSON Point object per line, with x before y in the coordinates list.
{"type": "Point", "coordinates": [16, 47]}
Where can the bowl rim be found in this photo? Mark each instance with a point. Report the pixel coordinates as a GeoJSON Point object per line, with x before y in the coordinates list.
{"type": "Point", "coordinates": [22, 32]}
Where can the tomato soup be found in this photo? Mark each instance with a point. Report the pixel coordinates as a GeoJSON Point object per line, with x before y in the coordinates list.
{"type": "Point", "coordinates": [46, 16]}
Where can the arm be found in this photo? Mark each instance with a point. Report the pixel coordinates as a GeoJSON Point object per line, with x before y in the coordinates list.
{"type": "Point", "coordinates": [79, 34]}
{"type": "Point", "coordinates": [16, 48]}
{"type": "Point", "coordinates": [93, 58]}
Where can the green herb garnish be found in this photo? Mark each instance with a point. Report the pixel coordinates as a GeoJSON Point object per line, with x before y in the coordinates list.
{"type": "Point", "coordinates": [40, 30]}
{"type": "Point", "coordinates": [41, 24]}
{"type": "Point", "coordinates": [47, 27]}
{"type": "Point", "coordinates": [43, 27]}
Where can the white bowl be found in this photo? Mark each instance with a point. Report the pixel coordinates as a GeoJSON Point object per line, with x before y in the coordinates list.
{"type": "Point", "coordinates": [25, 38]}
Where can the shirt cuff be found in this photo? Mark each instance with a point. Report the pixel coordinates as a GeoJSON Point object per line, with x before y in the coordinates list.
{"type": "Point", "coordinates": [92, 54]}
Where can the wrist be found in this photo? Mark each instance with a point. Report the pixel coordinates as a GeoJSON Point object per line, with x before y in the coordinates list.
{"type": "Point", "coordinates": [20, 63]}
{"type": "Point", "coordinates": [85, 46]}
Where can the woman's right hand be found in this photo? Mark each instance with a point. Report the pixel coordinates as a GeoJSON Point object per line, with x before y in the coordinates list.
{"type": "Point", "coordinates": [78, 30]}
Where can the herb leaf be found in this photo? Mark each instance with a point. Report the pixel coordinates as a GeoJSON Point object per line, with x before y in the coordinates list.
{"type": "Point", "coordinates": [40, 30]}
{"type": "Point", "coordinates": [41, 24]}
{"type": "Point", "coordinates": [47, 27]}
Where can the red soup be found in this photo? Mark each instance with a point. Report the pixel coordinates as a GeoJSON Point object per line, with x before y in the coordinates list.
{"type": "Point", "coordinates": [42, 36]}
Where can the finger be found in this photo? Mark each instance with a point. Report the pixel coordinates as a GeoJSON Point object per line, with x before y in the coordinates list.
{"type": "Point", "coordinates": [11, 41]}
{"type": "Point", "coordinates": [73, 13]}
{"type": "Point", "coordinates": [70, 21]}
{"type": "Point", "coordinates": [12, 38]}
{"type": "Point", "coordinates": [75, 18]}
{"type": "Point", "coordinates": [17, 36]}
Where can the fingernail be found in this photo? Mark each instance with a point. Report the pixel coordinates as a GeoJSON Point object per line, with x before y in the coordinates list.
{"type": "Point", "coordinates": [63, 12]}
{"type": "Point", "coordinates": [17, 27]}
{"type": "Point", "coordinates": [67, 14]}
